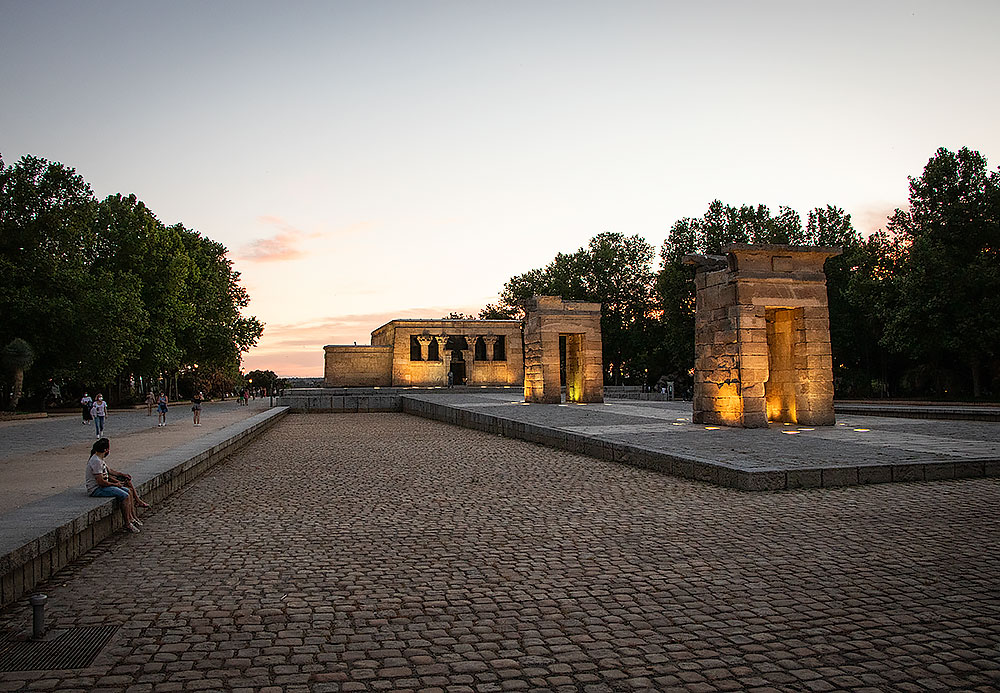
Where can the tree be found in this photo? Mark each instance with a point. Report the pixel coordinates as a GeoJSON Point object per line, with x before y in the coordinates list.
{"type": "Point", "coordinates": [614, 270]}
{"type": "Point", "coordinates": [106, 292]}
{"type": "Point", "coordinates": [494, 311]}
{"type": "Point", "coordinates": [46, 228]}
{"type": "Point", "coordinates": [17, 358]}
{"type": "Point", "coordinates": [722, 225]}
{"type": "Point", "coordinates": [946, 312]}
{"type": "Point", "coordinates": [267, 380]}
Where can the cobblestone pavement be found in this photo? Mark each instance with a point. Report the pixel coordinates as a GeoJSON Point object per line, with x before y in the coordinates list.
{"type": "Point", "coordinates": [377, 552]}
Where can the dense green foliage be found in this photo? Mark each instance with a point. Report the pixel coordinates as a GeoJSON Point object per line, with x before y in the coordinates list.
{"type": "Point", "coordinates": [264, 383]}
{"type": "Point", "coordinates": [107, 295]}
{"type": "Point", "coordinates": [914, 308]}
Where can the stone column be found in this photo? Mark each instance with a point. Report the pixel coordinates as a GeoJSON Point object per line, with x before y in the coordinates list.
{"type": "Point", "coordinates": [491, 341]}
{"type": "Point", "coordinates": [424, 340]}
{"type": "Point", "coordinates": [471, 341]}
{"type": "Point", "coordinates": [442, 341]}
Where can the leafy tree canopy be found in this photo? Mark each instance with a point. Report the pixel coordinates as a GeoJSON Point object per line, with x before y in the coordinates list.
{"type": "Point", "coordinates": [105, 291]}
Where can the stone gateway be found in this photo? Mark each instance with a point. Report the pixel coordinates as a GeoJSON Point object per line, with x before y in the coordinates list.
{"type": "Point", "coordinates": [762, 336]}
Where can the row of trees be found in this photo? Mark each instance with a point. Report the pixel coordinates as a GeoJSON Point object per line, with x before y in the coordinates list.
{"type": "Point", "coordinates": [107, 296]}
{"type": "Point", "coordinates": [914, 307]}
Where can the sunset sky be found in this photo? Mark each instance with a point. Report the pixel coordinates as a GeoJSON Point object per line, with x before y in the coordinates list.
{"type": "Point", "coordinates": [370, 160]}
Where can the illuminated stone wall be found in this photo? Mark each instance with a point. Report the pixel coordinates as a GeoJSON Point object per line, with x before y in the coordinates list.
{"type": "Point", "coordinates": [357, 366]}
{"type": "Point", "coordinates": [395, 344]}
{"type": "Point", "coordinates": [547, 319]}
{"type": "Point", "coordinates": [762, 336]}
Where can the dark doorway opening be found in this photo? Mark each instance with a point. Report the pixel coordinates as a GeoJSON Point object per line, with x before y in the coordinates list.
{"type": "Point", "coordinates": [457, 367]}
{"type": "Point", "coordinates": [562, 360]}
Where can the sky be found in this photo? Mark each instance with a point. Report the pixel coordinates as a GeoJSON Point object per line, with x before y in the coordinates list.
{"type": "Point", "coordinates": [370, 160]}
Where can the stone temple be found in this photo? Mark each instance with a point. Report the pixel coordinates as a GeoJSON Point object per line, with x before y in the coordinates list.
{"type": "Point", "coordinates": [560, 342]}
{"type": "Point", "coordinates": [762, 344]}
{"type": "Point", "coordinates": [422, 353]}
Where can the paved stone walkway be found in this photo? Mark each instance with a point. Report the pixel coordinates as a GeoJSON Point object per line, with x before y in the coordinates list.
{"type": "Point", "coordinates": [41, 457]}
{"type": "Point", "coordinates": [377, 552]}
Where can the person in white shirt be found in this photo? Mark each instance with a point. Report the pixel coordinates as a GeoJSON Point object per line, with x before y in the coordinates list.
{"type": "Point", "coordinates": [102, 481]}
{"type": "Point", "coordinates": [100, 411]}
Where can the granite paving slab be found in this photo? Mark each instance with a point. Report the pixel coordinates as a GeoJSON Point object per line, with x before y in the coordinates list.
{"type": "Point", "coordinates": [854, 442]}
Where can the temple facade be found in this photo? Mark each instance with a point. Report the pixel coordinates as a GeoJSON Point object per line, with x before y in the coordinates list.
{"type": "Point", "coordinates": [429, 353]}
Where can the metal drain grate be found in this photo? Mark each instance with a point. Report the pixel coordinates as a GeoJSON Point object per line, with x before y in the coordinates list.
{"type": "Point", "coordinates": [75, 648]}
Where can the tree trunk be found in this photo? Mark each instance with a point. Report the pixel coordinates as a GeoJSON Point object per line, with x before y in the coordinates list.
{"type": "Point", "coordinates": [977, 383]}
{"type": "Point", "coordinates": [18, 384]}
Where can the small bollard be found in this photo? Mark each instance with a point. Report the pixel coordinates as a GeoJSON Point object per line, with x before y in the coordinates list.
{"type": "Point", "coordinates": [37, 616]}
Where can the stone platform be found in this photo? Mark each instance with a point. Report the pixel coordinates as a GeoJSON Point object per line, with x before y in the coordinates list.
{"type": "Point", "coordinates": [661, 436]}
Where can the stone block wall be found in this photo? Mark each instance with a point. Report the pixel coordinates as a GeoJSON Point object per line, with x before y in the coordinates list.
{"type": "Point", "coordinates": [762, 337]}
{"type": "Point", "coordinates": [547, 319]}
{"type": "Point", "coordinates": [407, 373]}
{"type": "Point", "coordinates": [357, 366]}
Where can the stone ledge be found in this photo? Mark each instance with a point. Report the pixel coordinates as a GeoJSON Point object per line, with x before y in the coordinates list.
{"type": "Point", "coordinates": [922, 411]}
{"type": "Point", "coordinates": [42, 537]}
{"type": "Point", "coordinates": [698, 468]}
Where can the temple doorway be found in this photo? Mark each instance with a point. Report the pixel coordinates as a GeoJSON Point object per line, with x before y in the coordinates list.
{"type": "Point", "coordinates": [783, 376]}
{"type": "Point", "coordinates": [457, 367]}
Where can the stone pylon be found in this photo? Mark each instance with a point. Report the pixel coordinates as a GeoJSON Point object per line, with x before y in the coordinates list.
{"type": "Point", "coordinates": [762, 336]}
{"type": "Point", "coordinates": [547, 320]}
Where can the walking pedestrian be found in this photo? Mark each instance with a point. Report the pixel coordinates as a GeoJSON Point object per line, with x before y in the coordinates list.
{"type": "Point", "coordinates": [102, 481]}
{"type": "Point", "coordinates": [196, 407]}
{"type": "Point", "coordinates": [161, 410]}
{"type": "Point", "coordinates": [150, 401]}
{"type": "Point", "coordinates": [86, 402]}
{"type": "Point", "coordinates": [100, 412]}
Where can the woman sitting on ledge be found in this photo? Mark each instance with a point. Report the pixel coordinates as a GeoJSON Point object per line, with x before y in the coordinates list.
{"type": "Point", "coordinates": [102, 481]}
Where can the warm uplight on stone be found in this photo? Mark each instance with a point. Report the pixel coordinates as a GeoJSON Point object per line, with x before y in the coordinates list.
{"type": "Point", "coordinates": [549, 320]}
{"type": "Point", "coordinates": [421, 353]}
{"type": "Point", "coordinates": [762, 336]}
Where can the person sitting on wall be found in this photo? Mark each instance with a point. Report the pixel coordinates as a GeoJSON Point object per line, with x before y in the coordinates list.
{"type": "Point", "coordinates": [104, 482]}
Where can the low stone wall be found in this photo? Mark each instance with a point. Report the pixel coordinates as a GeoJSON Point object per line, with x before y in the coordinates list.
{"type": "Point", "coordinates": [363, 399]}
{"type": "Point", "coordinates": [42, 537]}
{"type": "Point", "coordinates": [341, 403]}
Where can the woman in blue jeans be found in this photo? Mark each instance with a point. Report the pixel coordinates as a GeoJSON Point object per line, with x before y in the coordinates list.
{"type": "Point", "coordinates": [100, 411]}
{"type": "Point", "coordinates": [102, 481]}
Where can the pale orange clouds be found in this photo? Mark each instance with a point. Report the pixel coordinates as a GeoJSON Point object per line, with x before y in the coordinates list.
{"type": "Point", "coordinates": [872, 217]}
{"type": "Point", "coordinates": [284, 245]}
{"type": "Point", "coordinates": [287, 243]}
